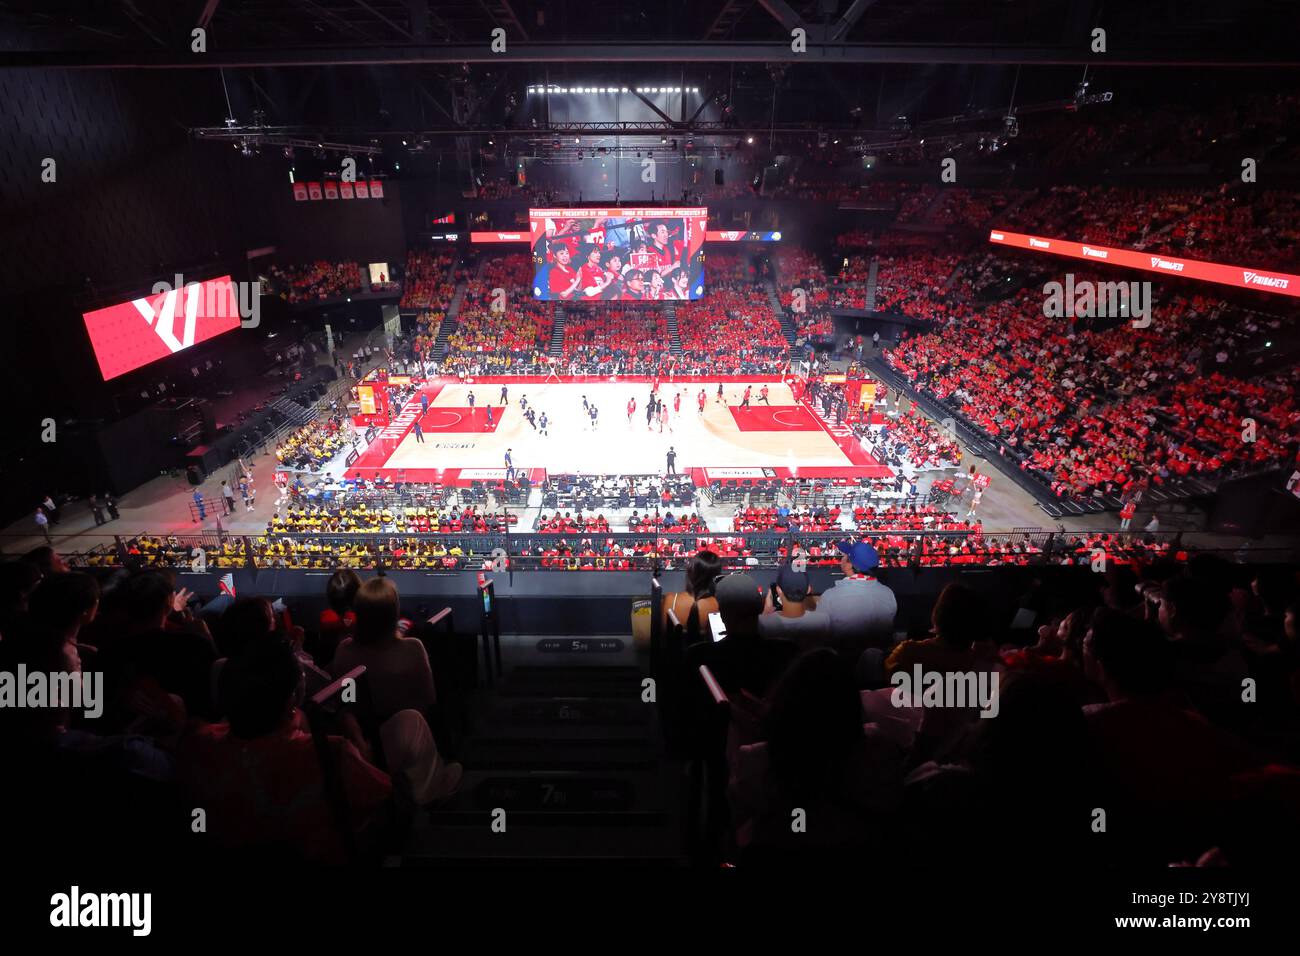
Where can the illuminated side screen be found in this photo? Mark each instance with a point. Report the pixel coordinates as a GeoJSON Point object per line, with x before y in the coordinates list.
{"type": "Point", "coordinates": [132, 334]}
{"type": "Point", "coordinates": [624, 255]}
{"type": "Point", "coordinates": [1242, 277]}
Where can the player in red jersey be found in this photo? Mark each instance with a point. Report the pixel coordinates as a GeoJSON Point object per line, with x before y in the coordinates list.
{"type": "Point", "coordinates": [631, 409]}
{"type": "Point", "coordinates": [701, 399]}
{"type": "Point", "coordinates": [677, 404]}
{"type": "Point", "coordinates": [744, 402]}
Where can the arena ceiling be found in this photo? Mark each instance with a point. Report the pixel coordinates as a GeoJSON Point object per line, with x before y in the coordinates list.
{"type": "Point", "coordinates": [362, 69]}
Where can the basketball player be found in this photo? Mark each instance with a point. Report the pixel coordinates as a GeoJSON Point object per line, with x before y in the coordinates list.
{"type": "Point", "coordinates": [719, 398]}
{"type": "Point", "coordinates": [677, 404]}
{"type": "Point", "coordinates": [505, 395]}
{"type": "Point", "coordinates": [594, 413]}
{"type": "Point", "coordinates": [701, 399]}
{"type": "Point", "coordinates": [663, 417]}
{"type": "Point", "coordinates": [744, 402]}
{"type": "Point", "coordinates": [470, 399]}
{"type": "Point", "coordinates": [631, 409]}
{"type": "Point", "coordinates": [489, 417]}
{"type": "Point", "coordinates": [419, 433]}
{"type": "Point", "coordinates": [542, 424]}
{"type": "Point", "coordinates": [649, 412]}
{"type": "Point", "coordinates": [762, 396]}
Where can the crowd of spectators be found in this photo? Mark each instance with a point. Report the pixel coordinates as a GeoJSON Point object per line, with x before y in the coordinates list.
{"type": "Point", "coordinates": [428, 281]}
{"type": "Point", "coordinates": [360, 518]}
{"type": "Point", "coordinates": [733, 329]}
{"type": "Point", "coordinates": [316, 281]}
{"type": "Point", "coordinates": [501, 328]}
{"type": "Point", "coordinates": [797, 268]}
{"type": "Point", "coordinates": [204, 704]}
{"type": "Point", "coordinates": [1107, 409]}
{"type": "Point", "coordinates": [911, 439]}
{"type": "Point", "coordinates": [782, 518]}
{"type": "Point", "coordinates": [1198, 222]}
{"type": "Point", "coordinates": [607, 340]}
{"type": "Point", "coordinates": [313, 445]}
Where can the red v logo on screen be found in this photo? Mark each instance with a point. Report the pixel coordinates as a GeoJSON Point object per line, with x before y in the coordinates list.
{"type": "Point", "coordinates": [165, 328]}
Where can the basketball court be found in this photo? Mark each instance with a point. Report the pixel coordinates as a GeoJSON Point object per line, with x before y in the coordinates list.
{"type": "Point", "coordinates": [727, 441]}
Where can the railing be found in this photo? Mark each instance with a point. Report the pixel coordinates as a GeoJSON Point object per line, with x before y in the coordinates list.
{"type": "Point", "coordinates": [433, 552]}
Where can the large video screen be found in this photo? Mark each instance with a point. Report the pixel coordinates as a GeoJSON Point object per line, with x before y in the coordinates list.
{"type": "Point", "coordinates": [132, 334]}
{"type": "Point", "coordinates": [625, 255]}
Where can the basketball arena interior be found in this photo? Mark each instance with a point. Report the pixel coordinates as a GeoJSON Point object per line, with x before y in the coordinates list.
{"type": "Point", "coordinates": [456, 439]}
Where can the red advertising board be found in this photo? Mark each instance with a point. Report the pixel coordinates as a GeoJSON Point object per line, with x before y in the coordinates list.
{"type": "Point", "coordinates": [131, 334]}
{"type": "Point", "coordinates": [498, 237]}
{"type": "Point", "coordinates": [1242, 277]}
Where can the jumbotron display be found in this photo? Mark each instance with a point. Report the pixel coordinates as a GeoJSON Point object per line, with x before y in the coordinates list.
{"type": "Point", "coordinates": [132, 334]}
{"type": "Point", "coordinates": [626, 255]}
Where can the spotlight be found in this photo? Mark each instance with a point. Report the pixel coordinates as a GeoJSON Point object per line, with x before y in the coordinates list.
{"type": "Point", "coordinates": [663, 140]}
{"type": "Point", "coordinates": [749, 140]}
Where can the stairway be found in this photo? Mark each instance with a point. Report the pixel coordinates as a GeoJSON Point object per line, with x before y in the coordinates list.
{"type": "Point", "coordinates": [787, 321]}
{"type": "Point", "coordinates": [449, 322]}
{"type": "Point", "coordinates": [573, 757]}
{"type": "Point", "coordinates": [871, 284]}
{"type": "Point", "coordinates": [674, 336]}
{"type": "Point", "coordinates": [556, 348]}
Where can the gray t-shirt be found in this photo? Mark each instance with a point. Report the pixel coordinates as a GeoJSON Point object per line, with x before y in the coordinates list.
{"type": "Point", "coordinates": [860, 609]}
{"type": "Point", "coordinates": [810, 629]}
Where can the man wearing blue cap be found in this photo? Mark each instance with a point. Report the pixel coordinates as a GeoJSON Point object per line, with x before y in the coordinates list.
{"type": "Point", "coordinates": [860, 608]}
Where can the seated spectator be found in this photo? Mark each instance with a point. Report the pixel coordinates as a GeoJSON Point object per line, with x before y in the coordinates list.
{"type": "Point", "coordinates": [258, 775]}
{"type": "Point", "coordinates": [161, 642]}
{"type": "Point", "coordinates": [693, 606]}
{"type": "Point", "coordinates": [796, 619]}
{"type": "Point", "coordinates": [1161, 763]}
{"type": "Point", "coordinates": [743, 661]}
{"type": "Point", "coordinates": [337, 621]}
{"type": "Point", "coordinates": [397, 667]}
{"type": "Point", "coordinates": [859, 607]}
{"type": "Point", "coordinates": [815, 757]}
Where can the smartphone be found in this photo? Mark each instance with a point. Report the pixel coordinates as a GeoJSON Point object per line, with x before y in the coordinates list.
{"type": "Point", "coordinates": [717, 627]}
{"type": "Point", "coordinates": [487, 601]}
{"type": "Point", "coordinates": [776, 599]}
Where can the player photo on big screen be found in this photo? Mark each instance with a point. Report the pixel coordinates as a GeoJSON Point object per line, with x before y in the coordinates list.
{"type": "Point", "coordinates": [626, 255]}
